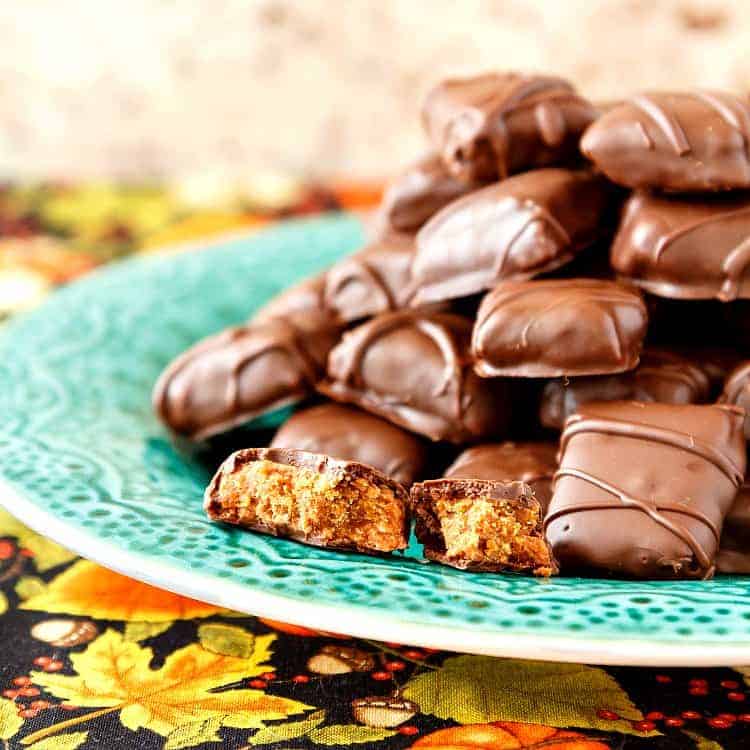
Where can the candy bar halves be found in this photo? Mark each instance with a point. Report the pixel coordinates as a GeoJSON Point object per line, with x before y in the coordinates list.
{"type": "Point", "coordinates": [642, 489]}
{"type": "Point", "coordinates": [310, 498]}
{"type": "Point", "coordinates": [414, 368]}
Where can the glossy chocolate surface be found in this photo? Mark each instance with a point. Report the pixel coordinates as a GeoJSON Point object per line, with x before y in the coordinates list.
{"type": "Point", "coordinates": [737, 391]}
{"type": "Point", "coordinates": [734, 551]}
{"type": "Point", "coordinates": [414, 368]}
{"type": "Point", "coordinates": [350, 434]}
{"type": "Point", "coordinates": [558, 327]}
{"type": "Point", "coordinates": [687, 248]}
{"type": "Point", "coordinates": [642, 489]}
{"type": "Point", "coordinates": [493, 125]}
{"type": "Point", "coordinates": [674, 141]}
{"type": "Point", "coordinates": [662, 376]}
{"type": "Point", "coordinates": [516, 229]}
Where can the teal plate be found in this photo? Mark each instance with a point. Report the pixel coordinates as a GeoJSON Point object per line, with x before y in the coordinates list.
{"type": "Point", "coordinates": [83, 460]}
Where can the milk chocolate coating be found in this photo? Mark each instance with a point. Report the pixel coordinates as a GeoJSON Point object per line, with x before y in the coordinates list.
{"type": "Point", "coordinates": [715, 362]}
{"type": "Point", "coordinates": [302, 297]}
{"type": "Point", "coordinates": [661, 376]}
{"type": "Point", "coordinates": [642, 489]}
{"type": "Point", "coordinates": [691, 248]}
{"type": "Point", "coordinates": [419, 192]}
{"type": "Point", "coordinates": [533, 464]}
{"type": "Point", "coordinates": [220, 508]}
{"type": "Point", "coordinates": [529, 224]}
{"type": "Point", "coordinates": [734, 550]}
{"type": "Point", "coordinates": [244, 372]}
{"type": "Point", "coordinates": [414, 369]}
{"type": "Point", "coordinates": [371, 281]}
{"type": "Point", "coordinates": [674, 141]}
{"type": "Point", "coordinates": [558, 327]}
{"type": "Point", "coordinates": [493, 125]}
{"type": "Point", "coordinates": [737, 391]}
{"type": "Point", "coordinates": [349, 434]}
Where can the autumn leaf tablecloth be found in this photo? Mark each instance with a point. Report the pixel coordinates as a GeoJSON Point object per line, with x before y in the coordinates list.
{"type": "Point", "coordinates": [92, 659]}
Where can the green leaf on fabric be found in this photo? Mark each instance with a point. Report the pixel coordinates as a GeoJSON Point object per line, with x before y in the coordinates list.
{"type": "Point", "coordinates": [228, 640]}
{"type": "Point", "coordinates": [3, 603]}
{"type": "Point", "coordinates": [61, 742]}
{"type": "Point", "coordinates": [701, 742]}
{"type": "Point", "coordinates": [10, 721]}
{"type": "Point", "coordinates": [28, 586]}
{"type": "Point", "coordinates": [194, 733]}
{"type": "Point", "coordinates": [288, 730]}
{"type": "Point", "coordinates": [482, 689]}
{"type": "Point", "coordinates": [348, 734]}
{"type": "Point", "coordinates": [140, 631]}
{"type": "Point", "coordinates": [47, 554]}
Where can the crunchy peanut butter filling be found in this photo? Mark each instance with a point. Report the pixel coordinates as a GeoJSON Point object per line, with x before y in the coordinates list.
{"type": "Point", "coordinates": [484, 530]}
{"type": "Point", "coordinates": [335, 508]}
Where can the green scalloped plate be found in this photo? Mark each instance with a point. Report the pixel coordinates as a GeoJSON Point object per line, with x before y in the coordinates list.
{"type": "Point", "coordinates": [83, 460]}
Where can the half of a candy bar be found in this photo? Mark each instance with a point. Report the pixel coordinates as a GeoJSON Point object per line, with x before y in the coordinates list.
{"type": "Point", "coordinates": [492, 125]}
{"type": "Point", "coordinates": [414, 369]}
{"type": "Point", "coordinates": [737, 391]}
{"type": "Point", "coordinates": [310, 498]}
{"type": "Point", "coordinates": [534, 464]}
{"type": "Point", "coordinates": [476, 524]}
{"type": "Point", "coordinates": [642, 489]}
{"type": "Point", "coordinates": [662, 376]}
{"type": "Point", "coordinates": [244, 372]}
{"type": "Point", "coordinates": [691, 248]}
{"type": "Point", "coordinates": [350, 434]}
{"type": "Point", "coordinates": [674, 141]}
{"type": "Point", "coordinates": [558, 327]}
{"type": "Point", "coordinates": [516, 229]}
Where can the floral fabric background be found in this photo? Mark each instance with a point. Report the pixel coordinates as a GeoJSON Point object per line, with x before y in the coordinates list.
{"type": "Point", "coordinates": [92, 659]}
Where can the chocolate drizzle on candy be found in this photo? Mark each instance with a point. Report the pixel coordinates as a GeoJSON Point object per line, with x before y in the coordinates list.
{"type": "Point", "coordinates": [636, 457]}
{"type": "Point", "coordinates": [493, 125]}
{"type": "Point", "coordinates": [414, 369]}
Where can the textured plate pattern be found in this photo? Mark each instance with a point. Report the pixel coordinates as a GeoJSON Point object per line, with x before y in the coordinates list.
{"type": "Point", "coordinates": [78, 440]}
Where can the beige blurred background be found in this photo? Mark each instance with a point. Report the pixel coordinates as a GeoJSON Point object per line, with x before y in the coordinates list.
{"type": "Point", "coordinates": [157, 88]}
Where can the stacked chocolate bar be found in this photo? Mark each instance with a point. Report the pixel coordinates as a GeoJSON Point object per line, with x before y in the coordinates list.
{"type": "Point", "coordinates": [538, 358]}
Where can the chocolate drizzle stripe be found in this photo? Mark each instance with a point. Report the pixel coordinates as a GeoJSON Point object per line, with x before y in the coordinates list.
{"type": "Point", "coordinates": [690, 379]}
{"type": "Point", "coordinates": [737, 383]}
{"type": "Point", "coordinates": [664, 242]}
{"type": "Point", "coordinates": [651, 509]}
{"type": "Point", "coordinates": [452, 372]}
{"type": "Point", "coordinates": [674, 438]}
{"type": "Point", "coordinates": [666, 121]}
{"type": "Point", "coordinates": [732, 110]}
{"type": "Point", "coordinates": [369, 273]}
{"type": "Point", "coordinates": [734, 266]}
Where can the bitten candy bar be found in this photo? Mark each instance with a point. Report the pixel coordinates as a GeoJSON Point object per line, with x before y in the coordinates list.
{"type": "Point", "coordinates": [737, 391]}
{"type": "Point", "coordinates": [419, 192]}
{"type": "Point", "coordinates": [529, 224]}
{"type": "Point", "coordinates": [310, 498]}
{"type": "Point", "coordinates": [371, 281]}
{"type": "Point", "coordinates": [493, 125]}
{"type": "Point", "coordinates": [414, 369]}
{"type": "Point", "coordinates": [679, 142]}
{"type": "Point", "coordinates": [661, 376]}
{"type": "Point", "coordinates": [558, 327]}
{"type": "Point", "coordinates": [692, 248]}
{"type": "Point", "coordinates": [643, 489]}
{"type": "Point", "coordinates": [239, 374]}
{"type": "Point", "coordinates": [534, 464]}
{"type": "Point", "coordinates": [481, 525]}
{"type": "Point", "coordinates": [349, 434]}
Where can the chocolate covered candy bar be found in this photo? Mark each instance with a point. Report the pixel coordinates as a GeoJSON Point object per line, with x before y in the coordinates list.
{"type": "Point", "coordinates": [661, 376]}
{"type": "Point", "coordinates": [534, 464]}
{"type": "Point", "coordinates": [304, 296]}
{"type": "Point", "coordinates": [734, 550]}
{"type": "Point", "coordinates": [674, 141]}
{"type": "Point", "coordinates": [475, 524]}
{"type": "Point", "coordinates": [642, 489]}
{"type": "Point", "coordinates": [349, 434]}
{"type": "Point", "coordinates": [558, 327]}
{"type": "Point", "coordinates": [310, 498]}
{"type": "Point", "coordinates": [529, 224]}
{"type": "Point", "coordinates": [244, 372]}
{"type": "Point", "coordinates": [692, 248]}
{"type": "Point", "coordinates": [737, 391]}
{"type": "Point", "coordinates": [414, 369]}
{"type": "Point", "coordinates": [493, 125]}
